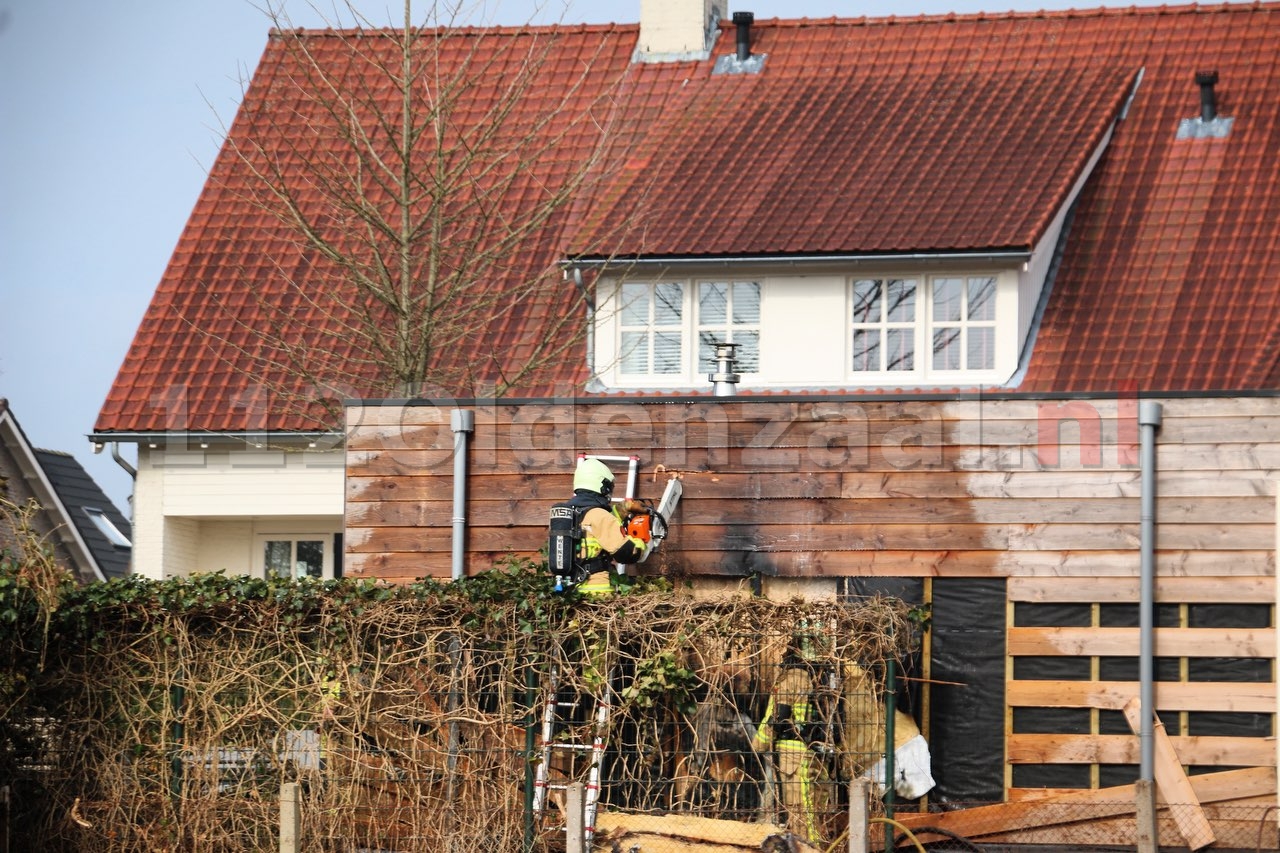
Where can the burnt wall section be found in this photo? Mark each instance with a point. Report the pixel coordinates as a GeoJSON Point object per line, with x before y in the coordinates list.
{"type": "Point", "coordinates": [845, 488]}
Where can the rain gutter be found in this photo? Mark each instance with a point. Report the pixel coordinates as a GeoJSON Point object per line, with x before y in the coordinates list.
{"type": "Point", "coordinates": [1009, 256]}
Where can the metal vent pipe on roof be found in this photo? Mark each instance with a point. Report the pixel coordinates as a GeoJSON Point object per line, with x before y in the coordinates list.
{"type": "Point", "coordinates": [724, 382]}
{"type": "Point", "coordinates": [1206, 80]}
{"type": "Point", "coordinates": [743, 20]}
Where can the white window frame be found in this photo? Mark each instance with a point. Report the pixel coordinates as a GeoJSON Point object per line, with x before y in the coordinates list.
{"type": "Point", "coordinates": [925, 325]}
{"type": "Point", "coordinates": [806, 331]}
{"type": "Point", "coordinates": [260, 541]}
{"type": "Point", "coordinates": [725, 331]}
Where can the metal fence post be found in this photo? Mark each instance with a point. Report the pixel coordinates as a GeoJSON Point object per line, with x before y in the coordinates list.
{"type": "Point", "coordinates": [290, 817]}
{"type": "Point", "coordinates": [575, 825]}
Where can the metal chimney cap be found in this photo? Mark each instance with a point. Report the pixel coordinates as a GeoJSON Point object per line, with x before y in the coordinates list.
{"type": "Point", "coordinates": [744, 17]}
{"type": "Point", "coordinates": [1206, 78]}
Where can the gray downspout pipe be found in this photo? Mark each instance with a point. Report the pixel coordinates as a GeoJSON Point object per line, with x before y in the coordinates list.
{"type": "Point", "coordinates": [463, 421]}
{"type": "Point", "coordinates": [1150, 414]}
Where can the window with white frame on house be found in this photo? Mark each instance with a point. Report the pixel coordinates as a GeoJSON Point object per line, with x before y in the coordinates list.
{"type": "Point", "coordinates": [893, 318]}
{"type": "Point", "coordinates": [288, 556]}
{"type": "Point", "coordinates": [818, 330]}
{"type": "Point", "coordinates": [654, 328]}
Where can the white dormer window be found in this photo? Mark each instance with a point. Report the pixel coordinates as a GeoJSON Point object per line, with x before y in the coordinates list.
{"type": "Point", "coordinates": [951, 322]}
{"type": "Point", "coordinates": [862, 330]}
{"type": "Point", "coordinates": [729, 312]}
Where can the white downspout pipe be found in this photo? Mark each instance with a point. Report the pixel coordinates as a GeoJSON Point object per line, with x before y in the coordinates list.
{"type": "Point", "coordinates": [1150, 415]}
{"type": "Point", "coordinates": [463, 421]}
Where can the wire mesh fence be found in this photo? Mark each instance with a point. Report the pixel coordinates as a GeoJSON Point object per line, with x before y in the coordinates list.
{"type": "Point", "coordinates": [421, 724]}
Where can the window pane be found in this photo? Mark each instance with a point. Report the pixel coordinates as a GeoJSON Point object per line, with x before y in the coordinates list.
{"type": "Point", "coordinates": [982, 299]}
{"type": "Point", "coordinates": [946, 349]}
{"type": "Point", "coordinates": [901, 295]}
{"type": "Point", "coordinates": [310, 559]}
{"type": "Point", "coordinates": [946, 300]}
{"type": "Point", "coordinates": [277, 557]}
{"type": "Point", "coordinates": [668, 304]}
{"type": "Point", "coordinates": [746, 302]}
{"type": "Point", "coordinates": [748, 351]}
{"type": "Point", "coordinates": [635, 304]}
{"type": "Point", "coordinates": [901, 347]}
{"type": "Point", "coordinates": [982, 348]}
{"type": "Point", "coordinates": [707, 350]}
{"type": "Point", "coordinates": [866, 301]}
{"type": "Point", "coordinates": [667, 352]}
{"type": "Point", "coordinates": [866, 350]}
{"type": "Point", "coordinates": [635, 352]}
{"type": "Point", "coordinates": [713, 302]}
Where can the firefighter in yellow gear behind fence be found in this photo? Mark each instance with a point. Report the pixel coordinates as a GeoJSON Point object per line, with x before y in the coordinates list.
{"type": "Point", "coordinates": [587, 535]}
{"type": "Point", "coordinates": [793, 731]}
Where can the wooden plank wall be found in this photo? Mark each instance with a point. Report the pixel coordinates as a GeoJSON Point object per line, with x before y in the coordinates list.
{"type": "Point", "coordinates": [897, 488]}
{"type": "Point", "coordinates": [1045, 493]}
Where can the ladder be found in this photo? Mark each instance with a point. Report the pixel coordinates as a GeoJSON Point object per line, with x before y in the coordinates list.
{"type": "Point", "coordinates": [542, 786]}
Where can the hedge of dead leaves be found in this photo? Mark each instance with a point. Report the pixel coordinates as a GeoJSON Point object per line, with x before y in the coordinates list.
{"type": "Point", "coordinates": [168, 715]}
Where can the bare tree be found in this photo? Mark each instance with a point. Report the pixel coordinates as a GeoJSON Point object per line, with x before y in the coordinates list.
{"type": "Point", "coordinates": [412, 185]}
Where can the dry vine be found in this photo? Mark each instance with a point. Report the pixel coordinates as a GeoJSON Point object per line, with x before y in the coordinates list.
{"type": "Point", "coordinates": [406, 714]}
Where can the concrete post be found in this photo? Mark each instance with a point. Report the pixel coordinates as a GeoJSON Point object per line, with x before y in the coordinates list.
{"type": "Point", "coordinates": [575, 831]}
{"type": "Point", "coordinates": [1148, 832]}
{"type": "Point", "coordinates": [859, 815]}
{"type": "Point", "coordinates": [290, 817]}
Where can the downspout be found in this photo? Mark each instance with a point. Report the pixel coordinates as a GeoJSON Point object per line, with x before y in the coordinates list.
{"type": "Point", "coordinates": [122, 462]}
{"type": "Point", "coordinates": [463, 421]}
{"type": "Point", "coordinates": [1149, 418]}
{"type": "Point", "coordinates": [591, 323]}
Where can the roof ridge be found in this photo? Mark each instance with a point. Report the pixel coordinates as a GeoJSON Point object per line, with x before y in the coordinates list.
{"type": "Point", "coordinates": [503, 29]}
{"type": "Point", "coordinates": [1091, 12]}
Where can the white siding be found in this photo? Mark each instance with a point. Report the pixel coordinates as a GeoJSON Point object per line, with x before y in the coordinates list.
{"type": "Point", "coordinates": [200, 510]}
{"type": "Point", "coordinates": [252, 483]}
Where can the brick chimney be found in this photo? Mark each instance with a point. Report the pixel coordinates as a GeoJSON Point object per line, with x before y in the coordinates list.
{"type": "Point", "coordinates": [678, 30]}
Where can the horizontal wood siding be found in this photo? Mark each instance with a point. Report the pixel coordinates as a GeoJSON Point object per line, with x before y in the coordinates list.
{"type": "Point", "coordinates": [971, 488]}
{"type": "Point", "coordinates": [1043, 493]}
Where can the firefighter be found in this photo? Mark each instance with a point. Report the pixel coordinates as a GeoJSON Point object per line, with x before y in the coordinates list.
{"type": "Point", "coordinates": [588, 537]}
{"type": "Point", "coordinates": [793, 730]}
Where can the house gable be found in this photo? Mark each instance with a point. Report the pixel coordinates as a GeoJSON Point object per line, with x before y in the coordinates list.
{"type": "Point", "coordinates": [922, 135]}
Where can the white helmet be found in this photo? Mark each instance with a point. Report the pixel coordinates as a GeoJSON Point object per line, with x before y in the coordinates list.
{"type": "Point", "coordinates": [594, 476]}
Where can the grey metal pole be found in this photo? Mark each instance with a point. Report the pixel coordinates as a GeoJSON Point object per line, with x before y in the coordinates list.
{"type": "Point", "coordinates": [1150, 415]}
{"type": "Point", "coordinates": [463, 421]}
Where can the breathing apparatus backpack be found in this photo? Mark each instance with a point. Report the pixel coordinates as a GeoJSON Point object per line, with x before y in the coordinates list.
{"type": "Point", "coordinates": [564, 546]}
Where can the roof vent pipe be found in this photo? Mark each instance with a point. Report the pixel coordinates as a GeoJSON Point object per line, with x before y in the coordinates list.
{"type": "Point", "coordinates": [1206, 80]}
{"type": "Point", "coordinates": [743, 20]}
{"type": "Point", "coordinates": [724, 382]}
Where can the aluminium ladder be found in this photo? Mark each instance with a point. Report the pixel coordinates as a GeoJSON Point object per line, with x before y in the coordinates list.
{"type": "Point", "coordinates": [542, 786]}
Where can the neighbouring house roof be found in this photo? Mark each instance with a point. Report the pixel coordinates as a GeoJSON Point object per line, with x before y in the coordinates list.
{"type": "Point", "coordinates": [68, 498]}
{"type": "Point", "coordinates": [934, 134]}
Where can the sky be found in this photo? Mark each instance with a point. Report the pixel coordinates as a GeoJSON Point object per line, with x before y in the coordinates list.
{"type": "Point", "coordinates": [111, 113]}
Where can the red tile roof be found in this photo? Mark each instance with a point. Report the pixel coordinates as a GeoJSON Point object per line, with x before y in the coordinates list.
{"type": "Point", "coordinates": [955, 133]}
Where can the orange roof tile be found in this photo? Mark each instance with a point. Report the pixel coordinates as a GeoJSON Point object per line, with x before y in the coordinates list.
{"type": "Point", "coordinates": [862, 136]}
